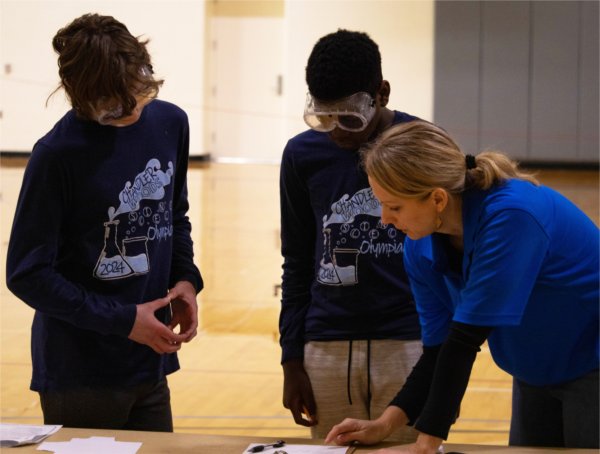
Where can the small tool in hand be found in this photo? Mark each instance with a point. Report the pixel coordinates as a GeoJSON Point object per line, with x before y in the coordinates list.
{"type": "Point", "coordinates": [306, 413]}
{"type": "Point", "coordinates": [259, 448]}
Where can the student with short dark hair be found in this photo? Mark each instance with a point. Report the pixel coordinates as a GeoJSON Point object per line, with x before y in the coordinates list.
{"type": "Point", "coordinates": [491, 256]}
{"type": "Point", "coordinates": [349, 329]}
{"type": "Point", "coordinates": [100, 245]}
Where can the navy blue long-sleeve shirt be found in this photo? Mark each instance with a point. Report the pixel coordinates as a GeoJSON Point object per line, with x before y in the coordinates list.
{"type": "Point", "coordinates": [100, 227]}
{"type": "Point", "coordinates": [343, 273]}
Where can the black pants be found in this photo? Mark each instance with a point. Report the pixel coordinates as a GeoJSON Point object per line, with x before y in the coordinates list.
{"type": "Point", "coordinates": [564, 415]}
{"type": "Point", "coordinates": [142, 407]}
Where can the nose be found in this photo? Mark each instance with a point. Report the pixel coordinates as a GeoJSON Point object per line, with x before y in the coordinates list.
{"type": "Point", "coordinates": [345, 139]}
{"type": "Point", "coordinates": [338, 133]}
{"type": "Point", "coordinates": [386, 218]}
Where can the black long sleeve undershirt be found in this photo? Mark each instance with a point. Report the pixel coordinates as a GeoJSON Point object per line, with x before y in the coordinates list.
{"type": "Point", "coordinates": [433, 391]}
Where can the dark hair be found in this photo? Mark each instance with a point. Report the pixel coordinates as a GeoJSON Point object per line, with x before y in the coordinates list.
{"type": "Point", "coordinates": [99, 59]}
{"type": "Point", "coordinates": [343, 63]}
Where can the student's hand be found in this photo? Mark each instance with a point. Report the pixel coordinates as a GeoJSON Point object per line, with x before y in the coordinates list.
{"type": "Point", "coordinates": [367, 432]}
{"type": "Point", "coordinates": [185, 309]}
{"type": "Point", "coordinates": [148, 330]}
{"type": "Point", "coordinates": [298, 394]}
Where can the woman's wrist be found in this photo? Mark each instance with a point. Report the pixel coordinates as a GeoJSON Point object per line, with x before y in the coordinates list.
{"type": "Point", "coordinates": [428, 444]}
{"type": "Point", "coordinates": [392, 419]}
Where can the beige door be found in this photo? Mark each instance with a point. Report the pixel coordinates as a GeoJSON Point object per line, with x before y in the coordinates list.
{"type": "Point", "coordinates": [245, 89]}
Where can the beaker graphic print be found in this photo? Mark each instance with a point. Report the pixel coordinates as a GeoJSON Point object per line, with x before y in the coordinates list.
{"type": "Point", "coordinates": [135, 251]}
{"type": "Point", "coordinates": [345, 263]}
{"type": "Point", "coordinates": [337, 267]}
{"type": "Point", "coordinates": [111, 263]}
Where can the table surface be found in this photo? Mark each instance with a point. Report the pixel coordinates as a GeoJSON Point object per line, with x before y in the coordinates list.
{"type": "Point", "coordinates": [174, 443]}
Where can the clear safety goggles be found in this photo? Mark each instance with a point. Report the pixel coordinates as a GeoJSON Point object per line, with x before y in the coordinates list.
{"type": "Point", "coordinates": [352, 113]}
{"type": "Point", "coordinates": [106, 115]}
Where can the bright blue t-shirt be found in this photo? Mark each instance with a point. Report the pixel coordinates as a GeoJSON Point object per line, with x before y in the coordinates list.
{"type": "Point", "coordinates": [530, 269]}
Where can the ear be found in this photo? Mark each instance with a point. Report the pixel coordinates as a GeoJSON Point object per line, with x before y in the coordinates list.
{"type": "Point", "coordinates": [384, 93]}
{"type": "Point", "coordinates": [439, 198]}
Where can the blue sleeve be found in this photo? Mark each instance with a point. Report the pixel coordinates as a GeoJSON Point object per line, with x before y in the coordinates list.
{"type": "Point", "coordinates": [31, 272]}
{"type": "Point", "coordinates": [182, 264]}
{"type": "Point", "coordinates": [508, 253]}
{"type": "Point", "coordinates": [431, 295]}
{"type": "Point", "coordinates": [297, 249]}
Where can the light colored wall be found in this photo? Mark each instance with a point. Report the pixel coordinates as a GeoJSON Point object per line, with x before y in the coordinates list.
{"type": "Point", "coordinates": [176, 32]}
{"type": "Point", "coordinates": [402, 29]}
{"type": "Point", "coordinates": [246, 120]}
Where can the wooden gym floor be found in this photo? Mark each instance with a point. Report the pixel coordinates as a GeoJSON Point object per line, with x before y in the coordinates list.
{"type": "Point", "coordinates": [231, 381]}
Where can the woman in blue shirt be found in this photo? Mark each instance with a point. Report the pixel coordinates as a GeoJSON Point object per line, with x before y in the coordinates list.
{"type": "Point", "coordinates": [491, 255]}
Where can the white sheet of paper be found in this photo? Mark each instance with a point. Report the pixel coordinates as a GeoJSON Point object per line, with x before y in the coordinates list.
{"type": "Point", "coordinates": [92, 445]}
{"type": "Point", "coordinates": [24, 434]}
{"type": "Point", "coordinates": [301, 449]}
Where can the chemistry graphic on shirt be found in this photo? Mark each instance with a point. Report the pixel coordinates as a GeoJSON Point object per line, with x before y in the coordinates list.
{"type": "Point", "coordinates": [354, 228]}
{"type": "Point", "coordinates": [142, 224]}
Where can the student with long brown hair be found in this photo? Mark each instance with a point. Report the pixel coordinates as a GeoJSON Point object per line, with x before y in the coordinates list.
{"type": "Point", "coordinates": [100, 245]}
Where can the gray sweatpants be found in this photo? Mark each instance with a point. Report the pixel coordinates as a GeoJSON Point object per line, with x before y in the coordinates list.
{"type": "Point", "coordinates": [358, 379]}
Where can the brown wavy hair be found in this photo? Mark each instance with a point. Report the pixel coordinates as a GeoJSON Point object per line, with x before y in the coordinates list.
{"type": "Point", "coordinates": [99, 60]}
{"type": "Point", "coordinates": [411, 159]}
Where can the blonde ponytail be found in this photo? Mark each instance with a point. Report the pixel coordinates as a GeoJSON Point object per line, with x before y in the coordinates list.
{"type": "Point", "coordinates": [492, 167]}
{"type": "Point", "coordinates": [411, 159]}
